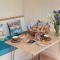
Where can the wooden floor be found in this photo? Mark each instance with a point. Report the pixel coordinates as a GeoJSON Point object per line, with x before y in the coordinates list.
{"type": "Point", "coordinates": [43, 57]}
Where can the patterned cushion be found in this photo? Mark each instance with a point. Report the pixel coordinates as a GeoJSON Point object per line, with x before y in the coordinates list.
{"type": "Point", "coordinates": [14, 27]}
{"type": "Point", "coordinates": [4, 32]}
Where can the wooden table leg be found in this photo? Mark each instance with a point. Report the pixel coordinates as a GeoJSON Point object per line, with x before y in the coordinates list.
{"type": "Point", "coordinates": [37, 57]}
{"type": "Point", "coordinates": [59, 46]}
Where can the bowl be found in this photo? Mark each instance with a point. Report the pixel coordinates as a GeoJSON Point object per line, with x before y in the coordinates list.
{"type": "Point", "coordinates": [15, 38]}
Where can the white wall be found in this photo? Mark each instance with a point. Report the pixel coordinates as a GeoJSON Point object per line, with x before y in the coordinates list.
{"type": "Point", "coordinates": [39, 9]}
{"type": "Point", "coordinates": [10, 8]}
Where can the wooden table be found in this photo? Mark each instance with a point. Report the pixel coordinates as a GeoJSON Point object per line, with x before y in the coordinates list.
{"type": "Point", "coordinates": [35, 49]}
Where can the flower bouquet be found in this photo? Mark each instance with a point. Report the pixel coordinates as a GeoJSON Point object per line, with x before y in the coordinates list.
{"type": "Point", "coordinates": [56, 21]}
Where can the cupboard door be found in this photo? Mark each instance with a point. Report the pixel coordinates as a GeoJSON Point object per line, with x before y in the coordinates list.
{"type": "Point", "coordinates": [21, 55]}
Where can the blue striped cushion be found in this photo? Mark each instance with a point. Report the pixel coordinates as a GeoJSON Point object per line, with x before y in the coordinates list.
{"type": "Point", "coordinates": [5, 48]}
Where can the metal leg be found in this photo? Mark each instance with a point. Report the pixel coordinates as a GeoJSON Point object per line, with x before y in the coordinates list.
{"type": "Point", "coordinates": [12, 53]}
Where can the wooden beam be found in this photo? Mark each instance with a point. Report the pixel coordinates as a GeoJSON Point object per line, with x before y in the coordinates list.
{"type": "Point", "coordinates": [14, 17]}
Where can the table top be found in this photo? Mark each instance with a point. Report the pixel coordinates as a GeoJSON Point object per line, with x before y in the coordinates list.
{"type": "Point", "coordinates": [35, 48]}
